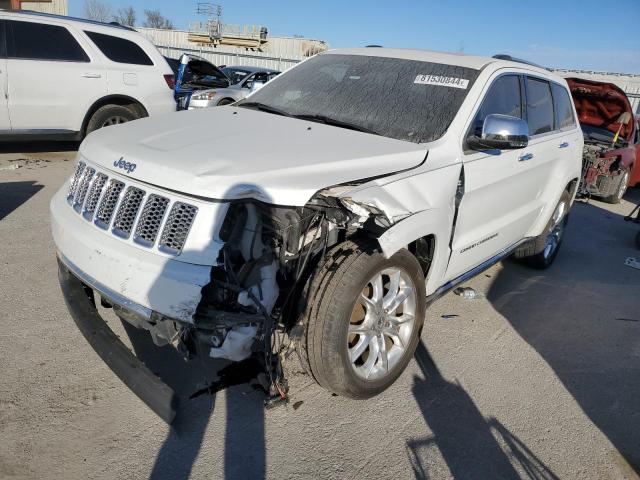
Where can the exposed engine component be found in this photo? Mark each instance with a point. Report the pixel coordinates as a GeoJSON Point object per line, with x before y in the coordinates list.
{"type": "Point", "coordinates": [598, 169]}
{"type": "Point", "coordinates": [254, 289]}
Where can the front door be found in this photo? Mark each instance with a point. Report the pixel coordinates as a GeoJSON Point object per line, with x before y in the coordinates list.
{"type": "Point", "coordinates": [501, 188]}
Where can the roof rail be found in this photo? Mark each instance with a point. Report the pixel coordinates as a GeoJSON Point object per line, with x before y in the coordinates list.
{"type": "Point", "coordinates": [74, 19]}
{"type": "Point", "coordinates": [502, 56]}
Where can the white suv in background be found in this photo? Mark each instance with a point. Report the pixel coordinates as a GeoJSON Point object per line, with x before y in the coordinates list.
{"type": "Point", "coordinates": [331, 205]}
{"type": "Point", "coordinates": [62, 78]}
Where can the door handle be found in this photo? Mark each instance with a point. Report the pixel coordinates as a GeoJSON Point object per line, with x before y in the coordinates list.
{"type": "Point", "coordinates": [563, 145]}
{"type": "Point", "coordinates": [525, 157]}
{"type": "Point", "coordinates": [91, 75]}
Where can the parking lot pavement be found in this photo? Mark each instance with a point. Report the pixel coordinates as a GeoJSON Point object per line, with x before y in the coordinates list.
{"type": "Point", "coordinates": [538, 379]}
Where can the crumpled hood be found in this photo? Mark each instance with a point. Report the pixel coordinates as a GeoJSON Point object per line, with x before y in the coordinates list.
{"type": "Point", "coordinates": [232, 153]}
{"type": "Point", "coordinates": [600, 104]}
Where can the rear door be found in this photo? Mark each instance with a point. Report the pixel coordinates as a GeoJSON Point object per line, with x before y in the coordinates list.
{"type": "Point", "coordinates": [501, 187]}
{"type": "Point", "coordinates": [53, 78]}
{"type": "Point", "coordinates": [131, 70]}
{"type": "Point", "coordinates": [5, 123]}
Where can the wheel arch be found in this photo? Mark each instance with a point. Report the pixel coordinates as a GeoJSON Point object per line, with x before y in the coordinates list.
{"type": "Point", "coordinates": [231, 99]}
{"type": "Point", "coordinates": [572, 187]}
{"type": "Point", "coordinates": [122, 100]}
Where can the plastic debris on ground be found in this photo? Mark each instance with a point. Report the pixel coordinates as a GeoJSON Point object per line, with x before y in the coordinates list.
{"type": "Point", "coordinates": [632, 262]}
{"type": "Point", "coordinates": [467, 293]}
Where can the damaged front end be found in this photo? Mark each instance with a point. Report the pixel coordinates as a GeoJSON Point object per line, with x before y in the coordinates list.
{"type": "Point", "coordinates": [601, 165]}
{"type": "Point", "coordinates": [255, 291]}
{"type": "Point", "coordinates": [606, 118]}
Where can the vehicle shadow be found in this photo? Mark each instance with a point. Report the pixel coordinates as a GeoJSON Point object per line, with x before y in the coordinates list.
{"type": "Point", "coordinates": [199, 384]}
{"type": "Point", "coordinates": [14, 194]}
{"type": "Point", "coordinates": [244, 424]}
{"type": "Point", "coordinates": [582, 316]}
{"type": "Point", "coordinates": [469, 445]}
{"type": "Point", "coordinates": [38, 146]}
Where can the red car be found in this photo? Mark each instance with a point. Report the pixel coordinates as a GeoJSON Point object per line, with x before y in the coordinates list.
{"type": "Point", "coordinates": [610, 136]}
{"type": "Point", "coordinates": [635, 173]}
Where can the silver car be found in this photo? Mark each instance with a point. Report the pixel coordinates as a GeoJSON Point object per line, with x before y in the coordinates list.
{"type": "Point", "coordinates": [244, 81]}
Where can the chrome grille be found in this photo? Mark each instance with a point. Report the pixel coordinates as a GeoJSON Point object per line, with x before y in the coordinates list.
{"type": "Point", "coordinates": [177, 227]}
{"type": "Point", "coordinates": [108, 204]}
{"type": "Point", "coordinates": [73, 185]}
{"type": "Point", "coordinates": [130, 211]}
{"type": "Point", "coordinates": [151, 220]}
{"type": "Point", "coordinates": [127, 212]}
{"type": "Point", "coordinates": [94, 195]}
{"type": "Point", "coordinates": [82, 187]}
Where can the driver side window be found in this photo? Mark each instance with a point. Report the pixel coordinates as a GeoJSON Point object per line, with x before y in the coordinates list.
{"type": "Point", "coordinates": [249, 81]}
{"type": "Point", "coordinates": [504, 97]}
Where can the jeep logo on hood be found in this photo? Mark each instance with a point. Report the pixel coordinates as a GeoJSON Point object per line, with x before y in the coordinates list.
{"type": "Point", "coordinates": [126, 166]}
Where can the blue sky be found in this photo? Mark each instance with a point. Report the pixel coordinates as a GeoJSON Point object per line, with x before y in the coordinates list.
{"type": "Point", "coordinates": [571, 34]}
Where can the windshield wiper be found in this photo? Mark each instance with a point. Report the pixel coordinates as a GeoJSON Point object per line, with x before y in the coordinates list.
{"type": "Point", "coordinates": [336, 123]}
{"type": "Point", "coordinates": [263, 107]}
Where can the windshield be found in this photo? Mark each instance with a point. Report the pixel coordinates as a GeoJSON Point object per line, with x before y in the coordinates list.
{"type": "Point", "coordinates": [236, 75]}
{"type": "Point", "coordinates": [402, 99]}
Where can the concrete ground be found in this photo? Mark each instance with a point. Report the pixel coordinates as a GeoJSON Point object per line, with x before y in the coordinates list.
{"type": "Point", "coordinates": [540, 379]}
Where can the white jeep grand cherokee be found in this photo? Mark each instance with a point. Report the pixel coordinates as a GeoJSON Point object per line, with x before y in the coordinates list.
{"type": "Point", "coordinates": [333, 205]}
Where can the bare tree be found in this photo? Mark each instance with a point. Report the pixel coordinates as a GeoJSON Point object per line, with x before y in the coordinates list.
{"type": "Point", "coordinates": [126, 16]}
{"type": "Point", "coordinates": [156, 20]}
{"type": "Point", "coordinates": [97, 10]}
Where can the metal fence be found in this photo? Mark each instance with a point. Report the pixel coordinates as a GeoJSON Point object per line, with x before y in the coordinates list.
{"type": "Point", "coordinates": [278, 53]}
{"type": "Point", "coordinates": [231, 58]}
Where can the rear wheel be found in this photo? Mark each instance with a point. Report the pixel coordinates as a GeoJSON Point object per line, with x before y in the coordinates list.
{"type": "Point", "coordinates": [363, 320]}
{"type": "Point", "coordinates": [541, 251]}
{"type": "Point", "coordinates": [226, 101]}
{"type": "Point", "coordinates": [109, 115]}
{"type": "Point", "coordinates": [622, 181]}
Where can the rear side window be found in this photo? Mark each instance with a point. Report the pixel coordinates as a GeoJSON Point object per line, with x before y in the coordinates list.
{"type": "Point", "coordinates": [539, 106]}
{"type": "Point", "coordinates": [503, 97]}
{"type": "Point", "coordinates": [119, 50]}
{"type": "Point", "coordinates": [563, 107]}
{"type": "Point", "coordinates": [39, 41]}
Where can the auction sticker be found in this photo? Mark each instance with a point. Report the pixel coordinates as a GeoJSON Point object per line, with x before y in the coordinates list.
{"type": "Point", "coordinates": [442, 81]}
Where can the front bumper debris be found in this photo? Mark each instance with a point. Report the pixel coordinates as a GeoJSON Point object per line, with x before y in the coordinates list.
{"type": "Point", "coordinates": [158, 396]}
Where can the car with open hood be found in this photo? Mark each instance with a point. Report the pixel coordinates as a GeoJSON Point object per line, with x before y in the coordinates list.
{"type": "Point", "coordinates": [317, 210]}
{"type": "Point", "coordinates": [194, 74]}
{"type": "Point", "coordinates": [244, 81]}
{"type": "Point", "coordinates": [610, 136]}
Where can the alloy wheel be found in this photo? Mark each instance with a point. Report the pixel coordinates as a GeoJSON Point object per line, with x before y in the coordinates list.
{"type": "Point", "coordinates": [115, 120]}
{"type": "Point", "coordinates": [381, 324]}
{"type": "Point", "coordinates": [622, 188]}
{"type": "Point", "coordinates": [556, 231]}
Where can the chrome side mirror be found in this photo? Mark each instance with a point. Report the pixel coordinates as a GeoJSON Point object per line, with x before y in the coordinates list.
{"type": "Point", "coordinates": [502, 132]}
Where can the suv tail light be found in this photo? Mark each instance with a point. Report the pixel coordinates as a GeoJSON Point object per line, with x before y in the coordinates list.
{"type": "Point", "coordinates": [171, 81]}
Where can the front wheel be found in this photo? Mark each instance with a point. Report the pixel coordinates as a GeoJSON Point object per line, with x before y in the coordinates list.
{"type": "Point", "coordinates": [363, 319]}
{"type": "Point", "coordinates": [621, 188]}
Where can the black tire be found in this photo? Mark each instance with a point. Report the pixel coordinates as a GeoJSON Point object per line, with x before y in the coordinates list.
{"type": "Point", "coordinates": [110, 114]}
{"type": "Point", "coordinates": [333, 294]}
{"type": "Point", "coordinates": [536, 252]}
{"type": "Point", "coordinates": [226, 101]}
{"type": "Point", "coordinates": [621, 181]}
